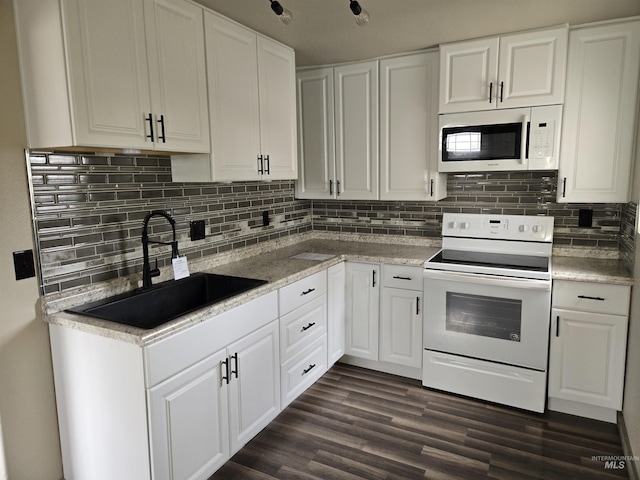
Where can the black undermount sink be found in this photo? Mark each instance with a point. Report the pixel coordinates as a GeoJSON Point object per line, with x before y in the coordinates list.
{"type": "Point", "coordinates": [167, 300]}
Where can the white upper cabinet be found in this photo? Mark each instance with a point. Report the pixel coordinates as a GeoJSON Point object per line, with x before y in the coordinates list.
{"type": "Point", "coordinates": [120, 74]}
{"type": "Point", "coordinates": [278, 139]}
{"type": "Point", "coordinates": [516, 70]}
{"type": "Point", "coordinates": [409, 129]}
{"type": "Point", "coordinates": [316, 141]}
{"type": "Point", "coordinates": [252, 108]}
{"type": "Point", "coordinates": [467, 74]}
{"type": "Point", "coordinates": [177, 75]}
{"type": "Point", "coordinates": [356, 130]}
{"type": "Point", "coordinates": [599, 113]}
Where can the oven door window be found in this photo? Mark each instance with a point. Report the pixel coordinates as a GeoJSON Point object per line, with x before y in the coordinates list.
{"type": "Point", "coordinates": [484, 316]}
{"type": "Point", "coordinates": [482, 142]}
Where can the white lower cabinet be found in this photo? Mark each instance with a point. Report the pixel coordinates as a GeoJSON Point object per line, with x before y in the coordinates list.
{"type": "Point", "coordinates": [254, 384]}
{"type": "Point", "coordinates": [188, 417]}
{"type": "Point", "coordinates": [362, 310]}
{"type": "Point", "coordinates": [336, 286]}
{"type": "Point", "coordinates": [300, 371]}
{"type": "Point", "coordinates": [202, 415]}
{"type": "Point", "coordinates": [303, 338]}
{"type": "Point", "coordinates": [384, 318]}
{"type": "Point", "coordinates": [401, 327]}
{"type": "Point", "coordinates": [175, 409]}
{"type": "Point", "coordinates": [588, 349]}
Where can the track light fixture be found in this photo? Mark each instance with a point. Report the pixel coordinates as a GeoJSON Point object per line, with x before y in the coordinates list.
{"type": "Point", "coordinates": [361, 15]}
{"type": "Point", "coordinates": [284, 14]}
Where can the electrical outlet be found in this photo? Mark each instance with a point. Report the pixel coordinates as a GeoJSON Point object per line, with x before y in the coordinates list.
{"type": "Point", "coordinates": [197, 230]}
{"type": "Point", "coordinates": [24, 264]}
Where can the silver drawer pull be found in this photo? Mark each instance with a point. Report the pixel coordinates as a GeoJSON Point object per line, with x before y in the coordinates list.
{"type": "Point", "coordinates": [307, 292]}
{"type": "Point", "coordinates": [586, 297]}
{"type": "Point", "coordinates": [401, 278]}
{"type": "Point", "coordinates": [304, 329]}
{"type": "Point", "coordinates": [307, 370]}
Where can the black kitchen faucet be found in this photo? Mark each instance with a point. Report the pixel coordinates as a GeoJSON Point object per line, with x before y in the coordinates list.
{"type": "Point", "coordinates": [147, 272]}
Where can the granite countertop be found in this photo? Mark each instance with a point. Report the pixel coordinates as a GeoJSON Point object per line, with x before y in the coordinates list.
{"type": "Point", "coordinates": [273, 262]}
{"type": "Point", "coordinates": [588, 269]}
{"type": "Point", "coordinates": [270, 263]}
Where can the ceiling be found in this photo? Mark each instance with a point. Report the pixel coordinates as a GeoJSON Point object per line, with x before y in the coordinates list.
{"type": "Point", "coordinates": [324, 32]}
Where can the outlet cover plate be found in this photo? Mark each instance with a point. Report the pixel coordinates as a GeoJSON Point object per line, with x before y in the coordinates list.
{"type": "Point", "coordinates": [197, 230]}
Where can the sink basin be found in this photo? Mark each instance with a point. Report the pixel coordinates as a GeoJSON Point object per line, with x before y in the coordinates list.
{"type": "Point", "coordinates": [167, 300]}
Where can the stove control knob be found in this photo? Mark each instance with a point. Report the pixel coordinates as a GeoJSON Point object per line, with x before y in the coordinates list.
{"type": "Point", "coordinates": [537, 228]}
{"type": "Point", "coordinates": [464, 225]}
{"type": "Point", "coordinates": [524, 228]}
{"type": "Point", "coordinates": [453, 224]}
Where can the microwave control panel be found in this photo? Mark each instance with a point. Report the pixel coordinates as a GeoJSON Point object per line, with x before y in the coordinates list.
{"type": "Point", "coordinates": [544, 137]}
{"type": "Point", "coordinates": [541, 139]}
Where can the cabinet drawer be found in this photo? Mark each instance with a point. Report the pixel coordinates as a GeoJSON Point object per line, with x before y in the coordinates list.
{"type": "Point", "coordinates": [300, 292]}
{"type": "Point", "coordinates": [591, 297]}
{"type": "Point", "coordinates": [402, 276]}
{"type": "Point", "coordinates": [303, 325]}
{"type": "Point", "coordinates": [167, 357]}
{"type": "Point", "coordinates": [299, 372]}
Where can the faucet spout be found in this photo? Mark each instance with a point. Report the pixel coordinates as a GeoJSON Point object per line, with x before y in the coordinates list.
{"type": "Point", "coordinates": [147, 272]}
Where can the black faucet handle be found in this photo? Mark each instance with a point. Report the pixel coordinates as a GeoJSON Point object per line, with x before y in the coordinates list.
{"type": "Point", "coordinates": [156, 271]}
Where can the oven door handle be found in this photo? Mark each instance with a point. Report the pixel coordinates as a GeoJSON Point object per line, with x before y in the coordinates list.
{"type": "Point", "coordinates": [493, 280]}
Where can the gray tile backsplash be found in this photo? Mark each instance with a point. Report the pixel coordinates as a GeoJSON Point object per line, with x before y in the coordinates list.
{"type": "Point", "coordinates": [89, 211]}
{"type": "Point", "coordinates": [510, 193]}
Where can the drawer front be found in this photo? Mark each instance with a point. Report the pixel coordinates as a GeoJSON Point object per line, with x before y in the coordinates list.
{"type": "Point", "coordinates": [177, 352]}
{"type": "Point", "coordinates": [591, 297]}
{"type": "Point", "coordinates": [299, 373]}
{"type": "Point", "coordinates": [300, 292]}
{"type": "Point", "coordinates": [302, 326]}
{"type": "Point", "coordinates": [402, 276]}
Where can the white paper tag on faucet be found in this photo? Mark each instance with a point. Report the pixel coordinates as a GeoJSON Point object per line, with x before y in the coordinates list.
{"type": "Point", "coordinates": [180, 267]}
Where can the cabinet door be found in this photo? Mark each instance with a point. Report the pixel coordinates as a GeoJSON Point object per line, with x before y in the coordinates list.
{"type": "Point", "coordinates": [254, 388]}
{"type": "Point", "coordinates": [409, 127]}
{"type": "Point", "coordinates": [363, 310]}
{"type": "Point", "coordinates": [532, 68]}
{"type": "Point", "coordinates": [232, 70]}
{"type": "Point", "coordinates": [336, 276]}
{"type": "Point", "coordinates": [177, 74]}
{"type": "Point", "coordinates": [587, 357]}
{"type": "Point", "coordinates": [599, 114]}
{"type": "Point", "coordinates": [188, 421]}
{"type": "Point", "coordinates": [356, 122]}
{"type": "Point", "coordinates": [277, 94]}
{"type": "Point", "coordinates": [401, 327]}
{"type": "Point", "coordinates": [468, 73]}
{"type": "Point", "coordinates": [108, 76]}
{"type": "Point", "coordinates": [316, 146]}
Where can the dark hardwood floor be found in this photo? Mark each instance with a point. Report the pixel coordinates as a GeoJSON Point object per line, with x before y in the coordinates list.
{"type": "Point", "coordinates": [359, 424]}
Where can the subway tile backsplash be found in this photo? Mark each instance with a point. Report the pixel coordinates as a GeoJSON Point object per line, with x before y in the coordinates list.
{"type": "Point", "coordinates": [509, 193]}
{"type": "Point", "coordinates": [89, 210]}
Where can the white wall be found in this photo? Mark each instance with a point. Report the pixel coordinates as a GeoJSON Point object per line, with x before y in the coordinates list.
{"type": "Point", "coordinates": [631, 405]}
{"type": "Point", "coordinates": [29, 429]}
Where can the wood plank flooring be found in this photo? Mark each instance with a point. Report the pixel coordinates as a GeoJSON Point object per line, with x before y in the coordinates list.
{"type": "Point", "coordinates": [359, 424]}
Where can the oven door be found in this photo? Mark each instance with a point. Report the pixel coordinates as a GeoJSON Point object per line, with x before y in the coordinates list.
{"type": "Point", "coordinates": [500, 319]}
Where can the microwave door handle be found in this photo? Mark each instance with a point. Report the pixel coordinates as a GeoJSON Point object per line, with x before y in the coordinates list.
{"type": "Point", "coordinates": [523, 142]}
{"type": "Point", "coordinates": [492, 280]}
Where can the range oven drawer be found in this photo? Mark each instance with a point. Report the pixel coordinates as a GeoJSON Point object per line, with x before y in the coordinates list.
{"type": "Point", "coordinates": [505, 384]}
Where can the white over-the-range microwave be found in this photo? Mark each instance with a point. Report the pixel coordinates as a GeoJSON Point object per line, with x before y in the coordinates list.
{"type": "Point", "coordinates": [509, 139]}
